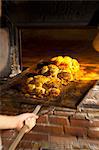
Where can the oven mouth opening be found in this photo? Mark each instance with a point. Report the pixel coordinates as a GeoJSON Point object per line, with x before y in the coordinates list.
{"type": "Point", "coordinates": [42, 43]}
{"type": "Point", "coordinates": [39, 45]}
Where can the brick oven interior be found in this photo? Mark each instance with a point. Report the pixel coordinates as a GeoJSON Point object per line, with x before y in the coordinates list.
{"type": "Point", "coordinates": [36, 31]}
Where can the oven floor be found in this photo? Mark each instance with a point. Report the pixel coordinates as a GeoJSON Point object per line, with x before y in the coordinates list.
{"type": "Point", "coordinates": [70, 96]}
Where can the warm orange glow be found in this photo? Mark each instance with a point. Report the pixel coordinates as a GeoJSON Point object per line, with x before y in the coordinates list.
{"type": "Point", "coordinates": [69, 65]}
{"type": "Point", "coordinates": [96, 43]}
{"type": "Point", "coordinates": [59, 73]}
{"type": "Point", "coordinates": [80, 71]}
{"type": "Point", "coordinates": [90, 71]}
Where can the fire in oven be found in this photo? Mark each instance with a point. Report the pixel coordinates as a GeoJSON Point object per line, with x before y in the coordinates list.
{"type": "Point", "coordinates": [52, 61]}
{"type": "Point", "coordinates": [49, 56]}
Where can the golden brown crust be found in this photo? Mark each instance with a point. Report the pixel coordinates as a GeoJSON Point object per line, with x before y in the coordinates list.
{"type": "Point", "coordinates": [52, 77]}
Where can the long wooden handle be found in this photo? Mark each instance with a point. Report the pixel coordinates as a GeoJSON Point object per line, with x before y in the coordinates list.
{"type": "Point", "coordinates": [22, 131]}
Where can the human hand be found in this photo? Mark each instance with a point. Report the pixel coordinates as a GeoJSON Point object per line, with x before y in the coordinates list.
{"type": "Point", "coordinates": [30, 123]}
{"type": "Point", "coordinates": [29, 119]}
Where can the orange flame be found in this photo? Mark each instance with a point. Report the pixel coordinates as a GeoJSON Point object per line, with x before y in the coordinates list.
{"type": "Point", "coordinates": [90, 71]}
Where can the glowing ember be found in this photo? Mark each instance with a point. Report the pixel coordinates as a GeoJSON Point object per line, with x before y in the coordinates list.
{"type": "Point", "coordinates": [90, 71]}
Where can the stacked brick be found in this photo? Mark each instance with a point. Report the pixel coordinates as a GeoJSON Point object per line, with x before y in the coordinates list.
{"type": "Point", "coordinates": [70, 125]}
{"type": "Point", "coordinates": [56, 128]}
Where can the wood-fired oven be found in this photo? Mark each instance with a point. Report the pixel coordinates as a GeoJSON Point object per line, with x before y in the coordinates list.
{"type": "Point", "coordinates": [33, 32]}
